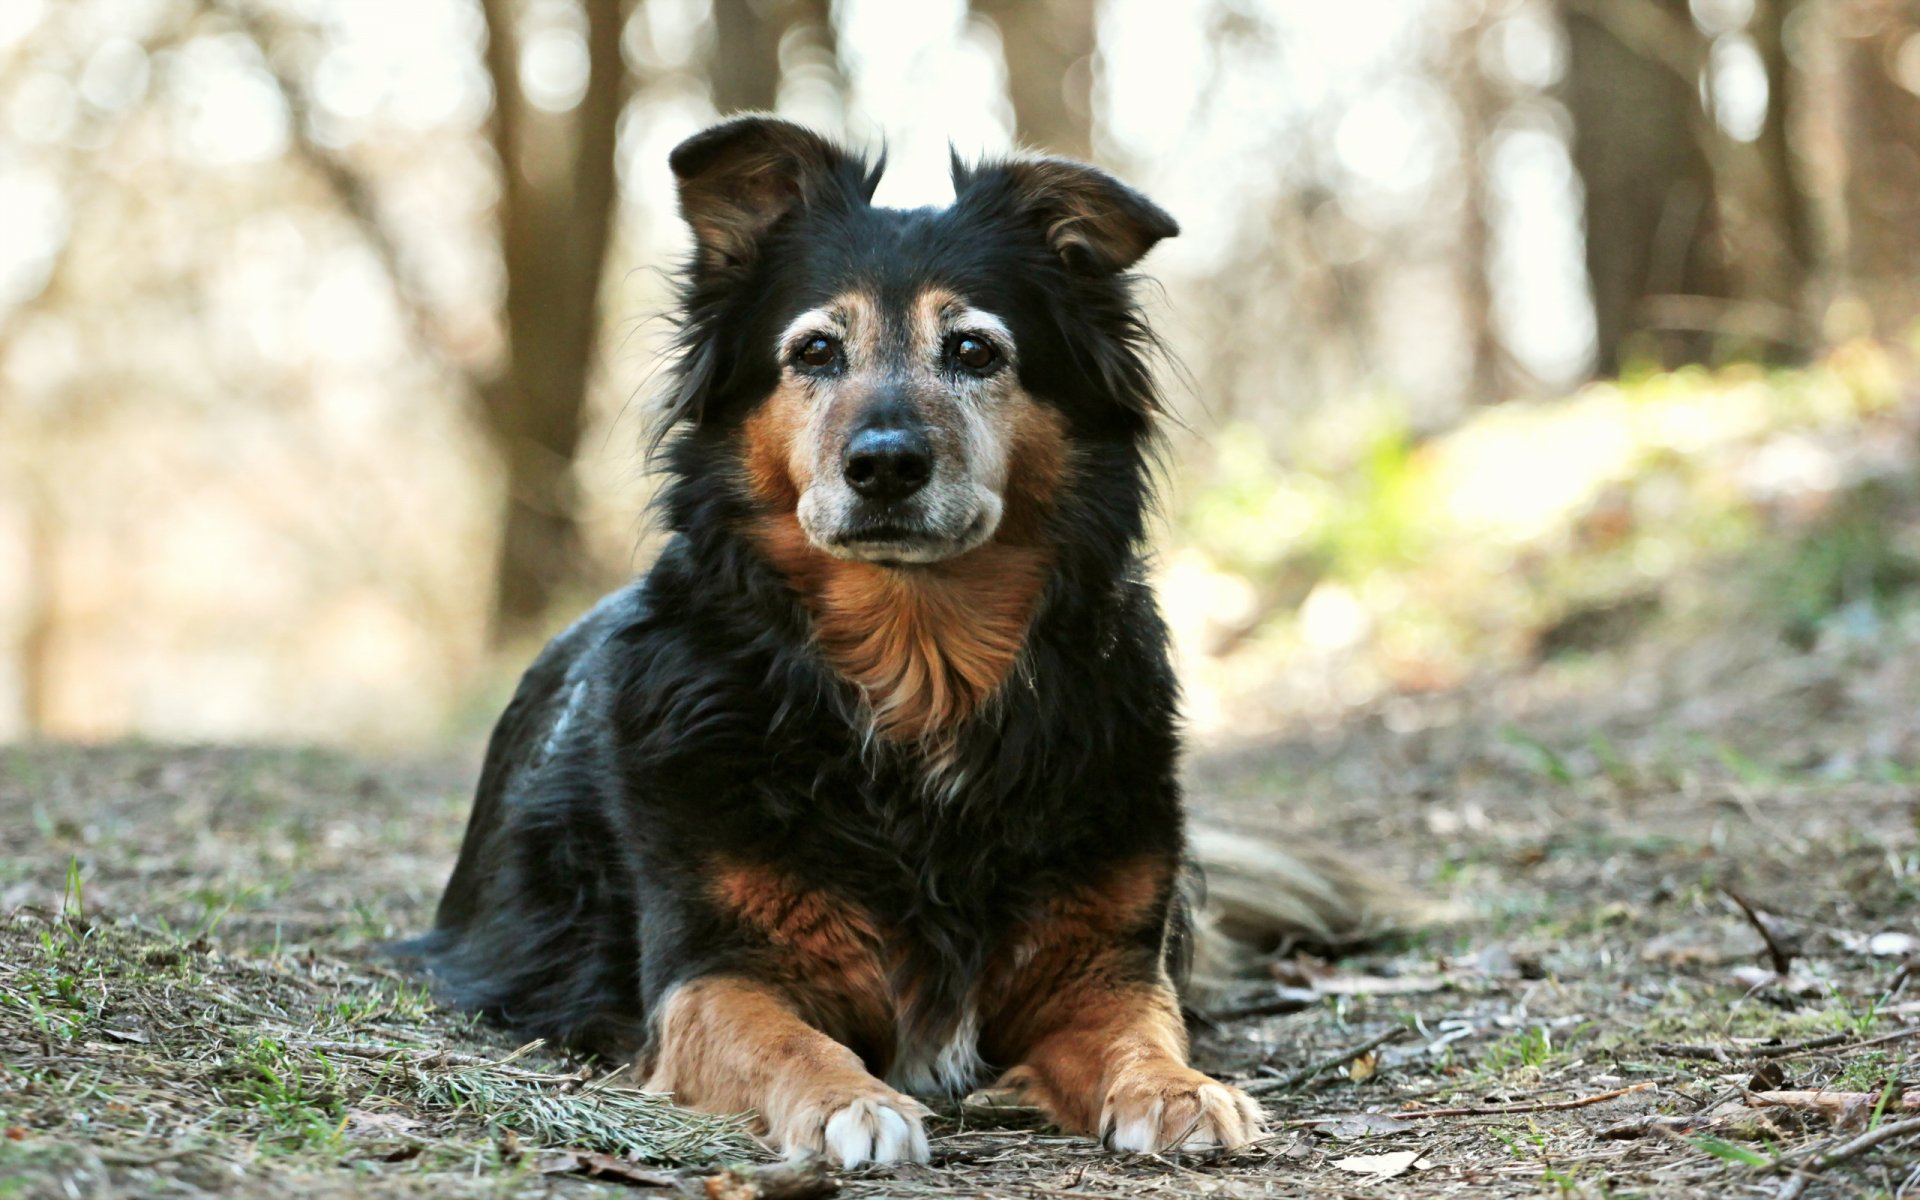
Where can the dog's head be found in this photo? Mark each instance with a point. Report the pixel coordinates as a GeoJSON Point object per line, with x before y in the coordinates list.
{"type": "Point", "coordinates": [908, 385]}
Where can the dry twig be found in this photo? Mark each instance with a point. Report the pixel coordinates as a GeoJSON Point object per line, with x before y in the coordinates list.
{"type": "Point", "coordinates": [1497, 1110]}
{"type": "Point", "coordinates": [1848, 1150]}
{"type": "Point", "coordinates": [1286, 1083]}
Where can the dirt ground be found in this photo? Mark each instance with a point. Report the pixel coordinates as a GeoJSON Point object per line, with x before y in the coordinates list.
{"type": "Point", "coordinates": [1669, 951]}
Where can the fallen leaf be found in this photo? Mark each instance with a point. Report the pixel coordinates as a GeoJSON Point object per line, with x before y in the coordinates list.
{"type": "Point", "coordinates": [1300, 1146]}
{"type": "Point", "coordinates": [1359, 1125]}
{"type": "Point", "coordinates": [596, 1165]}
{"type": "Point", "coordinates": [1768, 1077]}
{"type": "Point", "coordinates": [16, 1134]}
{"type": "Point", "coordinates": [1382, 1166]}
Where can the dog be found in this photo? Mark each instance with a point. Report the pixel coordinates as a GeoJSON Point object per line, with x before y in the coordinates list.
{"type": "Point", "coordinates": [867, 792]}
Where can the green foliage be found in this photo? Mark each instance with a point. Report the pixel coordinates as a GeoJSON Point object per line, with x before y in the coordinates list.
{"type": "Point", "coordinates": [1531, 1047]}
{"type": "Point", "coordinates": [293, 1097]}
{"type": "Point", "coordinates": [1852, 569]}
{"type": "Point", "coordinates": [1555, 528]}
{"type": "Point", "coordinates": [1730, 1151]}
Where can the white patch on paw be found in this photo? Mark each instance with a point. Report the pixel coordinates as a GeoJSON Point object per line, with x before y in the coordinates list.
{"type": "Point", "coordinates": [1140, 1133]}
{"type": "Point", "coordinates": [1210, 1117]}
{"type": "Point", "coordinates": [872, 1131]}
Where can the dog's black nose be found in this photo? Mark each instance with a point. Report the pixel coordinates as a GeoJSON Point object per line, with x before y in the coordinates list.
{"type": "Point", "coordinates": [887, 463]}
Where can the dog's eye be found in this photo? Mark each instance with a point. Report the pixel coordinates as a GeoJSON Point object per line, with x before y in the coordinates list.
{"type": "Point", "coordinates": [976, 354]}
{"type": "Point", "coordinates": [817, 352]}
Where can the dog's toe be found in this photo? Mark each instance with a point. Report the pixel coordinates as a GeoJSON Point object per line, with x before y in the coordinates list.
{"type": "Point", "coordinates": [1148, 1112]}
{"type": "Point", "coordinates": [873, 1130]}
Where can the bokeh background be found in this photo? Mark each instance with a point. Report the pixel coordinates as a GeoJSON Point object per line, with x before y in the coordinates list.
{"type": "Point", "coordinates": [1504, 327]}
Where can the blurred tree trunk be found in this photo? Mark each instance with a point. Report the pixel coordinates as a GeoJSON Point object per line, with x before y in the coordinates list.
{"type": "Point", "coordinates": [1880, 130]}
{"type": "Point", "coordinates": [558, 190]}
{"type": "Point", "coordinates": [1480, 104]}
{"type": "Point", "coordinates": [1048, 46]}
{"type": "Point", "coordinates": [1640, 145]}
{"type": "Point", "coordinates": [744, 73]}
{"type": "Point", "coordinates": [1794, 255]}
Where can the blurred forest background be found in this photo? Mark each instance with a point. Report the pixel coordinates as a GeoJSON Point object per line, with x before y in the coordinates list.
{"type": "Point", "coordinates": [327, 326]}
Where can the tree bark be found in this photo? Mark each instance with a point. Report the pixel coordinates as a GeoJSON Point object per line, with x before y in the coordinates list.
{"type": "Point", "coordinates": [744, 74]}
{"type": "Point", "coordinates": [1048, 46]}
{"type": "Point", "coordinates": [1488, 376]}
{"type": "Point", "coordinates": [1640, 146]}
{"type": "Point", "coordinates": [1880, 130]}
{"type": "Point", "coordinates": [1794, 253]}
{"type": "Point", "coordinates": [555, 221]}
{"type": "Point", "coordinates": [558, 188]}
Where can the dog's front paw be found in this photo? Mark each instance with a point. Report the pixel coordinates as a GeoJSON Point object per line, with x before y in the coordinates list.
{"type": "Point", "coordinates": [1156, 1107]}
{"type": "Point", "coordinates": [884, 1127]}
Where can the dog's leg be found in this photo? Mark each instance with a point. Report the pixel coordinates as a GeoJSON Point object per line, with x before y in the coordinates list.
{"type": "Point", "coordinates": [1112, 1061]}
{"type": "Point", "coordinates": [1089, 1017]}
{"type": "Point", "coordinates": [731, 1045]}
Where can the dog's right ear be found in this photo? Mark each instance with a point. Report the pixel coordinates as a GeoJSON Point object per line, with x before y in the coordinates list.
{"type": "Point", "coordinates": [738, 178]}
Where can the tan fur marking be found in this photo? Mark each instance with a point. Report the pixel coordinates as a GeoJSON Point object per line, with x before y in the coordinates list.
{"type": "Point", "coordinates": [1100, 1042]}
{"type": "Point", "coordinates": [832, 955]}
{"type": "Point", "coordinates": [769, 436]}
{"type": "Point", "coordinates": [928, 645]}
{"type": "Point", "coordinates": [729, 1045]}
{"type": "Point", "coordinates": [1040, 462]}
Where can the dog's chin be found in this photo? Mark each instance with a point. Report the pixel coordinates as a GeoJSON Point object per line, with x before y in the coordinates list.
{"type": "Point", "coordinates": [895, 545]}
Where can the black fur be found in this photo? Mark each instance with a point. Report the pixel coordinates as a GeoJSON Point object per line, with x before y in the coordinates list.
{"type": "Point", "coordinates": [690, 716]}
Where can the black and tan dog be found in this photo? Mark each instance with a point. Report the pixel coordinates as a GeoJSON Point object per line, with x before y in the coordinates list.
{"type": "Point", "coordinates": [868, 789]}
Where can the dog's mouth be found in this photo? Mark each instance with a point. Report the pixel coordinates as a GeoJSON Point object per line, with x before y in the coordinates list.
{"type": "Point", "coordinates": [893, 542]}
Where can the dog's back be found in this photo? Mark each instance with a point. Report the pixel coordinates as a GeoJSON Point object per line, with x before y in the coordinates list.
{"type": "Point", "coordinates": [528, 931]}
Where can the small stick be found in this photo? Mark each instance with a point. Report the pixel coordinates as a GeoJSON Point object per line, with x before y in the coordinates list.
{"type": "Point", "coordinates": [1780, 955]}
{"type": "Point", "coordinates": [1496, 1110]}
{"type": "Point", "coordinates": [1726, 1054]}
{"type": "Point", "coordinates": [1898, 1035]}
{"type": "Point", "coordinates": [1852, 1149]}
{"type": "Point", "coordinates": [1834, 1104]}
{"type": "Point", "coordinates": [1285, 1083]}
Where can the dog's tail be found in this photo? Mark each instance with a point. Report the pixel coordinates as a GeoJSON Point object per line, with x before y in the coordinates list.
{"type": "Point", "coordinates": [1252, 899]}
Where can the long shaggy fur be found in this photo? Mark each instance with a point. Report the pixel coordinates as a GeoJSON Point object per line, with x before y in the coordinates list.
{"type": "Point", "coordinates": [695, 815]}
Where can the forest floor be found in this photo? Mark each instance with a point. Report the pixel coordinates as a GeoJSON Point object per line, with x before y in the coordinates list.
{"type": "Point", "coordinates": [1672, 953]}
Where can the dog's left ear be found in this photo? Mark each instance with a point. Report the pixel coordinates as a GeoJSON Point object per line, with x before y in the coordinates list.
{"type": "Point", "coordinates": [737, 180]}
{"type": "Point", "coordinates": [1095, 223]}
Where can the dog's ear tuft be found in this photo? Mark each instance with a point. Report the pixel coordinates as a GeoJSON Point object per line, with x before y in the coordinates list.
{"type": "Point", "coordinates": [1095, 223]}
{"type": "Point", "coordinates": [738, 178]}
